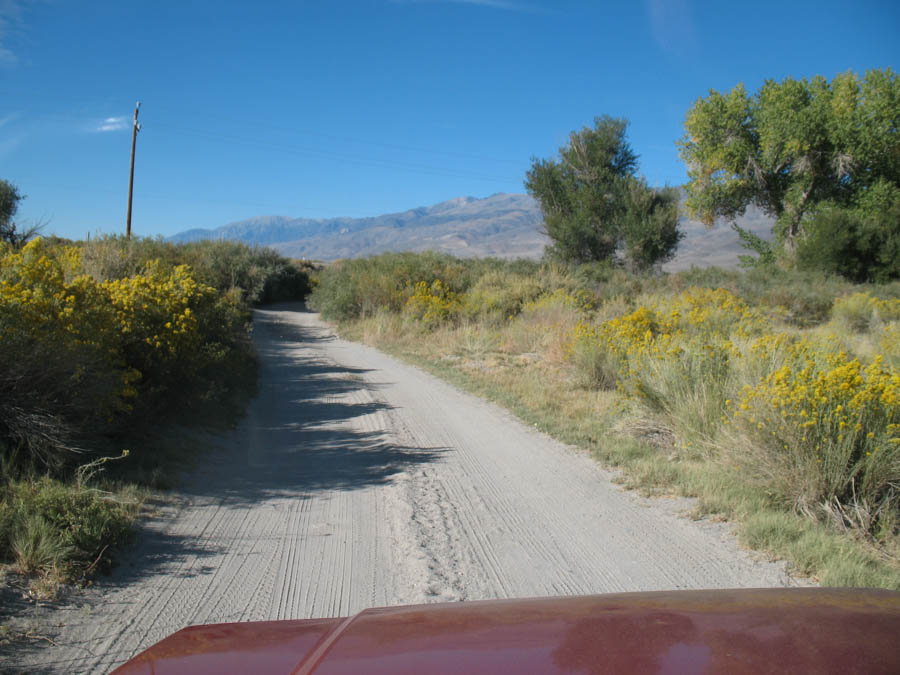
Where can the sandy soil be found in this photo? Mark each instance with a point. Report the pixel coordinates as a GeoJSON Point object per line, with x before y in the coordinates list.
{"type": "Point", "coordinates": [358, 481]}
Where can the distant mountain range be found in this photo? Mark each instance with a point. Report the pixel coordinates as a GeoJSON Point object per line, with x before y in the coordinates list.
{"type": "Point", "coordinates": [502, 225]}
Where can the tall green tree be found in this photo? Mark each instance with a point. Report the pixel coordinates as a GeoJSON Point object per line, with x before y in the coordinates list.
{"type": "Point", "coordinates": [9, 205]}
{"type": "Point", "coordinates": [595, 206]}
{"type": "Point", "coordinates": [796, 149]}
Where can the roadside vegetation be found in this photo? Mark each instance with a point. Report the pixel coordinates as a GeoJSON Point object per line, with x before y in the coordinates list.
{"type": "Point", "coordinates": [107, 348]}
{"type": "Point", "coordinates": [771, 396]}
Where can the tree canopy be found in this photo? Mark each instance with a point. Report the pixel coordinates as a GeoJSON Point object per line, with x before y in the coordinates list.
{"type": "Point", "coordinates": [798, 149]}
{"type": "Point", "coordinates": [595, 207]}
{"type": "Point", "coordinates": [9, 204]}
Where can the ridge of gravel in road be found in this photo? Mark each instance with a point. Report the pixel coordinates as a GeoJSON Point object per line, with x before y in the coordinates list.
{"type": "Point", "coordinates": [358, 481]}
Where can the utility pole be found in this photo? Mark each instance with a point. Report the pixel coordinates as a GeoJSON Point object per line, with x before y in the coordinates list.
{"type": "Point", "coordinates": [134, 133]}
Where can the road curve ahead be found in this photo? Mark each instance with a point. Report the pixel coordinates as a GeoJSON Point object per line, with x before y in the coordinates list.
{"type": "Point", "coordinates": [358, 481]}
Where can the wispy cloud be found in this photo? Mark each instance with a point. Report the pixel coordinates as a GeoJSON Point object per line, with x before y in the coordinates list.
{"type": "Point", "coordinates": [495, 4]}
{"type": "Point", "coordinates": [673, 26]}
{"type": "Point", "coordinates": [11, 144]}
{"type": "Point", "coordinates": [10, 18]}
{"type": "Point", "coordinates": [113, 124]}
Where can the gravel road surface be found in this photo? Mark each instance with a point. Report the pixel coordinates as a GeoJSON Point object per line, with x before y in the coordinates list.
{"type": "Point", "coordinates": [358, 481]}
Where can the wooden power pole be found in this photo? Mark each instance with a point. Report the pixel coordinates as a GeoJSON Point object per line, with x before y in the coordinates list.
{"type": "Point", "coordinates": [134, 133]}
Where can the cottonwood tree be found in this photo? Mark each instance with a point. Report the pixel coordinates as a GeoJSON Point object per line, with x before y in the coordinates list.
{"type": "Point", "coordinates": [797, 149]}
{"type": "Point", "coordinates": [595, 206]}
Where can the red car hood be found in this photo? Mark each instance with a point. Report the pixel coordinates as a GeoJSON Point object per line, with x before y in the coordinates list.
{"type": "Point", "coordinates": [741, 631]}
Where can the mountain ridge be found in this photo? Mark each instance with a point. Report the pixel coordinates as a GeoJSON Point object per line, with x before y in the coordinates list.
{"type": "Point", "coordinates": [502, 225]}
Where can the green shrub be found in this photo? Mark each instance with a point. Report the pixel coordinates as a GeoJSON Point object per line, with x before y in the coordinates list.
{"type": "Point", "coordinates": [360, 288]}
{"type": "Point", "coordinates": [597, 366]}
{"type": "Point", "coordinates": [687, 384]}
{"type": "Point", "coordinates": [37, 546]}
{"type": "Point", "coordinates": [260, 274]}
{"type": "Point", "coordinates": [861, 311]}
{"type": "Point", "coordinates": [499, 295]}
{"type": "Point", "coordinates": [861, 244]}
{"type": "Point", "coordinates": [706, 277]}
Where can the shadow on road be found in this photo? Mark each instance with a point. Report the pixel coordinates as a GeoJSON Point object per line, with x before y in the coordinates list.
{"type": "Point", "coordinates": [315, 425]}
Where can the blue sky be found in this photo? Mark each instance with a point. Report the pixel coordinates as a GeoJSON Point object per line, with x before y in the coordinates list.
{"type": "Point", "coordinates": [361, 107]}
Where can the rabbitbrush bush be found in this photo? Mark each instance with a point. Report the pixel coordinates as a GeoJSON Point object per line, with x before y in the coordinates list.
{"type": "Point", "coordinates": [259, 275]}
{"type": "Point", "coordinates": [363, 287]}
{"type": "Point", "coordinates": [825, 433]}
{"type": "Point", "coordinates": [82, 360]}
{"type": "Point", "coordinates": [673, 356]}
{"type": "Point", "coordinates": [61, 372]}
{"type": "Point", "coordinates": [353, 289]}
{"type": "Point", "coordinates": [817, 428]}
{"type": "Point", "coordinates": [432, 304]}
{"type": "Point", "coordinates": [103, 343]}
{"type": "Point", "coordinates": [499, 295]}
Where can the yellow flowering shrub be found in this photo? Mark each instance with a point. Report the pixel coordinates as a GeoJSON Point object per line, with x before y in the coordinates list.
{"type": "Point", "coordinates": [757, 357]}
{"type": "Point", "coordinates": [178, 333]}
{"type": "Point", "coordinates": [826, 425]}
{"type": "Point", "coordinates": [45, 300]}
{"type": "Point", "coordinates": [433, 303]}
{"type": "Point", "coordinates": [78, 356]}
{"type": "Point", "coordinates": [690, 332]}
{"type": "Point", "coordinates": [712, 311]}
{"type": "Point", "coordinates": [59, 368]}
{"type": "Point", "coordinates": [602, 352]}
{"type": "Point", "coordinates": [830, 425]}
{"type": "Point", "coordinates": [155, 312]}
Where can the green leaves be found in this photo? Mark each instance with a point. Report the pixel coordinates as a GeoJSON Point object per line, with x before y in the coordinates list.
{"type": "Point", "coordinates": [9, 204]}
{"type": "Point", "coordinates": [650, 224]}
{"type": "Point", "coordinates": [594, 205]}
{"type": "Point", "coordinates": [793, 147]}
{"type": "Point", "coordinates": [860, 243]}
{"type": "Point", "coordinates": [717, 146]}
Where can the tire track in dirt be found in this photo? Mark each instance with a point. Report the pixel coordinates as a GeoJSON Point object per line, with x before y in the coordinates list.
{"type": "Point", "coordinates": [358, 481]}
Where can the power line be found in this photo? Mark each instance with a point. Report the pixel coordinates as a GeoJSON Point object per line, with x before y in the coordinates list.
{"type": "Point", "coordinates": [337, 156]}
{"type": "Point", "coordinates": [152, 196]}
{"type": "Point", "coordinates": [348, 139]}
{"type": "Point", "coordinates": [392, 146]}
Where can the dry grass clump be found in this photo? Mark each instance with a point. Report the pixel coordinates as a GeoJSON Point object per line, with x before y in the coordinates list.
{"type": "Point", "coordinates": [58, 532]}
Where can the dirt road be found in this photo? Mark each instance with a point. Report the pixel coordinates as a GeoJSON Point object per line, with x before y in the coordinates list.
{"type": "Point", "coordinates": [358, 481]}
